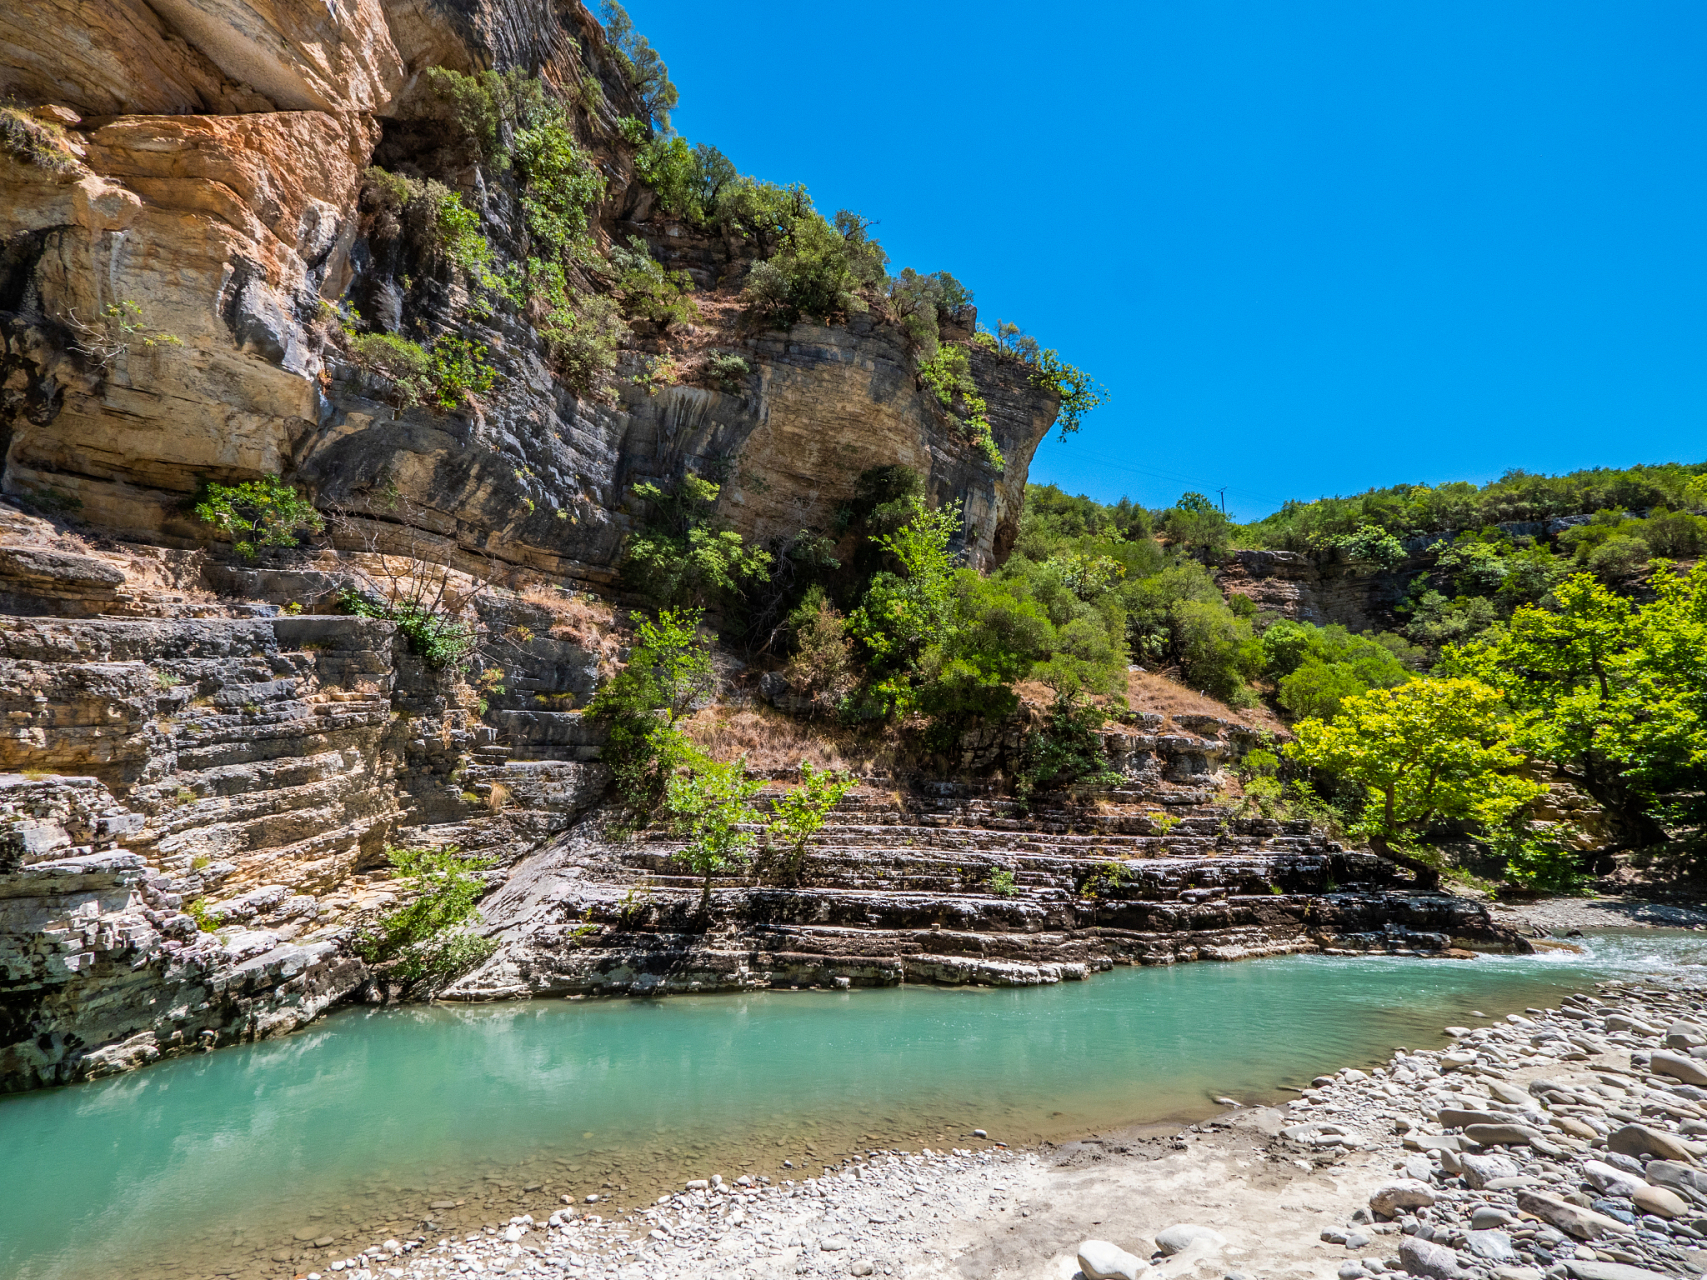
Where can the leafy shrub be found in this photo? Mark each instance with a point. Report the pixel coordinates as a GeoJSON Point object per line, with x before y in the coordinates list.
{"type": "Point", "coordinates": [1619, 557]}
{"type": "Point", "coordinates": [904, 614]}
{"type": "Point", "coordinates": [800, 813]}
{"type": "Point", "coordinates": [559, 183]}
{"type": "Point", "coordinates": [1316, 667]}
{"type": "Point", "coordinates": [435, 636]}
{"type": "Point", "coordinates": [1002, 884]}
{"type": "Point", "coordinates": [948, 375]}
{"type": "Point", "coordinates": [489, 107]}
{"type": "Point", "coordinates": [924, 303]}
{"type": "Point", "coordinates": [727, 370]}
{"type": "Point", "coordinates": [668, 671]}
{"type": "Point", "coordinates": [1216, 648]}
{"type": "Point", "coordinates": [258, 513]}
{"type": "Point", "coordinates": [688, 180]}
{"type": "Point", "coordinates": [1078, 395]}
{"type": "Point", "coordinates": [710, 806]}
{"type": "Point", "coordinates": [582, 330]}
{"type": "Point", "coordinates": [1066, 751]}
{"type": "Point", "coordinates": [647, 291]}
{"type": "Point", "coordinates": [206, 921]}
{"type": "Point", "coordinates": [1536, 859]}
{"type": "Point", "coordinates": [1437, 621]}
{"type": "Point", "coordinates": [403, 365]}
{"type": "Point", "coordinates": [822, 663]}
{"type": "Point", "coordinates": [425, 938]}
{"type": "Point", "coordinates": [452, 370]}
{"type": "Point", "coordinates": [458, 369]}
{"type": "Point", "coordinates": [1370, 542]}
{"type": "Point", "coordinates": [819, 271]}
{"type": "Point", "coordinates": [681, 556]}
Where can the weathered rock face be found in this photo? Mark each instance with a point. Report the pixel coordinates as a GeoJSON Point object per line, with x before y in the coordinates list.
{"type": "Point", "coordinates": [100, 969]}
{"type": "Point", "coordinates": [1322, 588]}
{"type": "Point", "coordinates": [213, 183]}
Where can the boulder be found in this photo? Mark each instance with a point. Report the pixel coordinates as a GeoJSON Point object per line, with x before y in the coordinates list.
{"type": "Point", "coordinates": [1586, 1269]}
{"type": "Point", "coordinates": [1406, 1193]}
{"type": "Point", "coordinates": [1460, 1118]}
{"type": "Point", "coordinates": [1573, 1220]}
{"type": "Point", "coordinates": [1500, 1135]}
{"type": "Point", "coordinates": [1478, 1171]}
{"type": "Point", "coordinates": [1101, 1260]}
{"type": "Point", "coordinates": [1635, 1139]}
{"type": "Point", "coordinates": [1658, 1200]}
{"type": "Point", "coordinates": [1614, 1182]}
{"type": "Point", "coordinates": [1679, 1067]}
{"type": "Point", "coordinates": [1424, 1258]}
{"type": "Point", "coordinates": [1491, 1246]}
{"type": "Point", "coordinates": [1182, 1236]}
{"type": "Point", "coordinates": [1685, 1036]}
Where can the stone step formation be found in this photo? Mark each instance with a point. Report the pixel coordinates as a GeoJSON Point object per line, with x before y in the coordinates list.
{"type": "Point", "coordinates": [202, 791]}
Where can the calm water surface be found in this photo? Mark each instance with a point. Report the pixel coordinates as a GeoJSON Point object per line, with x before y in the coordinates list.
{"type": "Point", "coordinates": [352, 1130]}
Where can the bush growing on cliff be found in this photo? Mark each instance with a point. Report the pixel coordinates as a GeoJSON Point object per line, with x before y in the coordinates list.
{"type": "Point", "coordinates": [681, 556]}
{"type": "Point", "coordinates": [668, 672]}
{"type": "Point", "coordinates": [1066, 751]}
{"type": "Point", "coordinates": [904, 614]}
{"type": "Point", "coordinates": [648, 292]}
{"type": "Point", "coordinates": [820, 271]}
{"type": "Point", "coordinates": [453, 369]}
{"type": "Point", "coordinates": [801, 812]}
{"type": "Point", "coordinates": [948, 375]}
{"type": "Point", "coordinates": [1048, 372]}
{"type": "Point", "coordinates": [711, 804]}
{"type": "Point", "coordinates": [688, 180]}
{"type": "Point", "coordinates": [258, 513]}
{"type": "Point", "coordinates": [641, 63]}
{"type": "Point", "coordinates": [425, 938]}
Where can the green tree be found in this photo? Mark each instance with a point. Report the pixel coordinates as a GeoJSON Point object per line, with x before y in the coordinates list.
{"type": "Point", "coordinates": [681, 556]}
{"type": "Point", "coordinates": [905, 614]}
{"type": "Point", "coordinates": [710, 805]}
{"type": "Point", "coordinates": [1613, 695]}
{"type": "Point", "coordinates": [668, 672]}
{"type": "Point", "coordinates": [800, 813]}
{"type": "Point", "coordinates": [1428, 751]}
{"type": "Point", "coordinates": [258, 513]}
{"type": "Point", "coordinates": [425, 937]}
{"type": "Point", "coordinates": [642, 64]}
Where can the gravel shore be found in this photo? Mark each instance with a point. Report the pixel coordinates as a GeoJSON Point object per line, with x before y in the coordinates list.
{"type": "Point", "coordinates": [1557, 1143]}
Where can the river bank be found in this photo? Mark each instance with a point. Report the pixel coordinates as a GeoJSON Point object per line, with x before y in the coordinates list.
{"type": "Point", "coordinates": [1559, 1187]}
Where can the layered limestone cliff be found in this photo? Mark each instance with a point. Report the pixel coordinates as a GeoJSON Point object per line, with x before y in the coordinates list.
{"type": "Point", "coordinates": [203, 165]}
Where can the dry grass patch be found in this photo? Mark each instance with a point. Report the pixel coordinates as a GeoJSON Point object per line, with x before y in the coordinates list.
{"type": "Point", "coordinates": [1147, 691]}
{"type": "Point", "coordinates": [773, 741]}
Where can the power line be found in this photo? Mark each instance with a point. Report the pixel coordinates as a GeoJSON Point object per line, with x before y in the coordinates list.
{"type": "Point", "coordinates": [1181, 479]}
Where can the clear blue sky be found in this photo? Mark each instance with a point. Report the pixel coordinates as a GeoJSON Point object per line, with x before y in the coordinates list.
{"type": "Point", "coordinates": [1309, 247]}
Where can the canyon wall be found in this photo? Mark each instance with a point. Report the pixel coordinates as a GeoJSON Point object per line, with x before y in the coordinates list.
{"type": "Point", "coordinates": [202, 164]}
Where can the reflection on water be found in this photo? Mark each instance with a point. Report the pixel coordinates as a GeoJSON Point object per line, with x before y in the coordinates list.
{"type": "Point", "coordinates": [371, 1117]}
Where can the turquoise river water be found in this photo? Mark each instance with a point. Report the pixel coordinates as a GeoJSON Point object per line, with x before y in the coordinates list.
{"type": "Point", "coordinates": [354, 1129]}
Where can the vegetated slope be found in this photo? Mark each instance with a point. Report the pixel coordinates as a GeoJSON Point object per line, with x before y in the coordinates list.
{"type": "Point", "coordinates": [1572, 598]}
